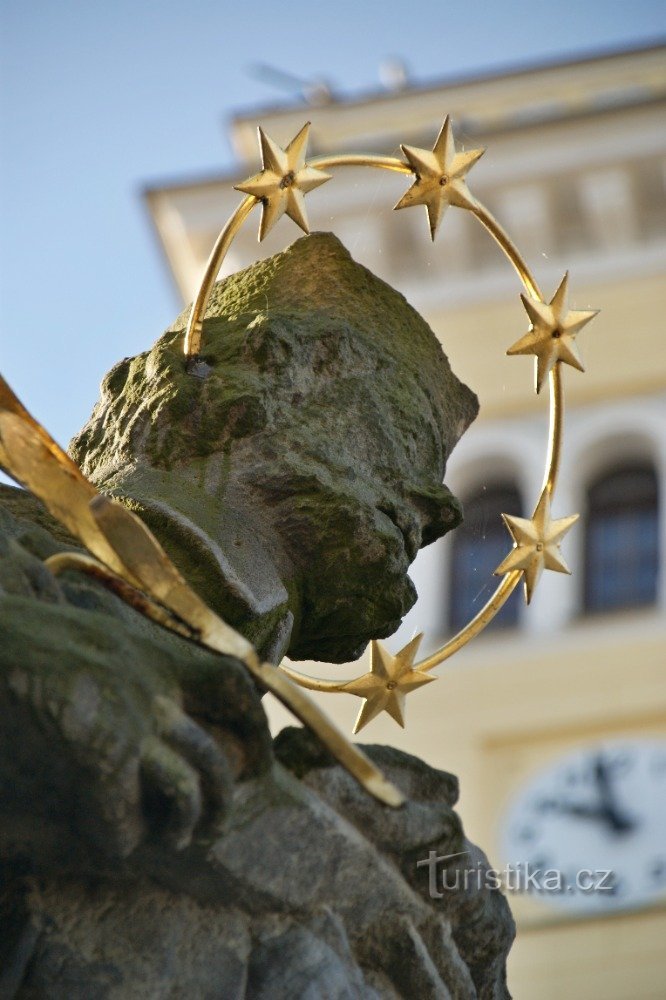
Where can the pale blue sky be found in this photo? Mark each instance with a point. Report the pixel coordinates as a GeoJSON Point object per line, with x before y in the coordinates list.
{"type": "Point", "coordinates": [100, 99]}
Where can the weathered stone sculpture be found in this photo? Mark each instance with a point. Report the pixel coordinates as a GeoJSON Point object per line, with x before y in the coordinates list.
{"type": "Point", "coordinates": [153, 841]}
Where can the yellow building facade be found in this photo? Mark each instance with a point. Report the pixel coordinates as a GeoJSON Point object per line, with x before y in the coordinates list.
{"type": "Point", "coordinates": [555, 723]}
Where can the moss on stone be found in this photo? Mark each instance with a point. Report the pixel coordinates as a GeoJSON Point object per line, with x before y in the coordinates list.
{"type": "Point", "coordinates": [310, 307]}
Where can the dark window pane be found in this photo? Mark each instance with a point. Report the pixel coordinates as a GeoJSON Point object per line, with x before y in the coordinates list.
{"type": "Point", "coordinates": [622, 539]}
{"type": "Point", "coordinates": [478, 547]}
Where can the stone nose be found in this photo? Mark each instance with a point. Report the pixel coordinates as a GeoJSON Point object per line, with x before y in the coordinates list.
{"type": "Point", "coordinates": [439, 511]}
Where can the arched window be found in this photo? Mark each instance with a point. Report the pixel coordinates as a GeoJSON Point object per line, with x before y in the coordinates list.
{"type": "Point", "coordinates": [622, 539]}
{"type": "Point", "coordinates": [478, 547]}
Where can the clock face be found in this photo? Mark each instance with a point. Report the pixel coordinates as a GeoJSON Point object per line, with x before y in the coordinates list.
{"type": "Point", "coordinates": [593, 824]}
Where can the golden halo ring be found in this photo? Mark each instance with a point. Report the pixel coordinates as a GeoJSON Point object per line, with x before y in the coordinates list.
{"type": "Point", "coordinates": [192, 346]}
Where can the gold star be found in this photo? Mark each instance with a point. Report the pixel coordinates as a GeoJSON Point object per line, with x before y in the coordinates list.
{"type": "Point", "coordinates": [285, 178]}
{"type": "Point", "coordinates": [552, 336]}
{"type": "Point", "coordinates": [536, 544]}
{"type": "Point", "coordinates": [389, 680]}
{"type": "Point", "coordinates": [440, 174]}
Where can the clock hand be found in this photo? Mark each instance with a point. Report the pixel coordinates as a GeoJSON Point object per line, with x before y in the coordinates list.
{"type": "Point", "coordinates": [579, 809]}
{"type": "Point", "coordinates": [616, 818]}
{"type": "Point", "coordinates": [606, 811]}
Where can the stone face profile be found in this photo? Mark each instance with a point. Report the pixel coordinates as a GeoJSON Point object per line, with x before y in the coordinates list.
{"type": "Point", "coordinates": [319, 421]}
{"type": "Point", "coordinates": [154, 840]}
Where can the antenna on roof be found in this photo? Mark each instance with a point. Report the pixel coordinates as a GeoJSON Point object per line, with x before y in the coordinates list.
{"type": "Point", "coordinates": [316, 91]}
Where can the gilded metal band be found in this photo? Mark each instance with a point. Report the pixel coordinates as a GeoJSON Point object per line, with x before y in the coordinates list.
{"type": "Point", "coordinates": [130, 561]}
{"type": "Point", "coordinates": [192, 348]}
{"type": "Point", "coordinates": [439, 182]}
{"type": "Point", "coordinates": [193, 334]}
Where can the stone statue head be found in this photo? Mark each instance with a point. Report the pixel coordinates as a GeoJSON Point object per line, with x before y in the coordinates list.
{"type": "Point", "coordinates": [321, 413]}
